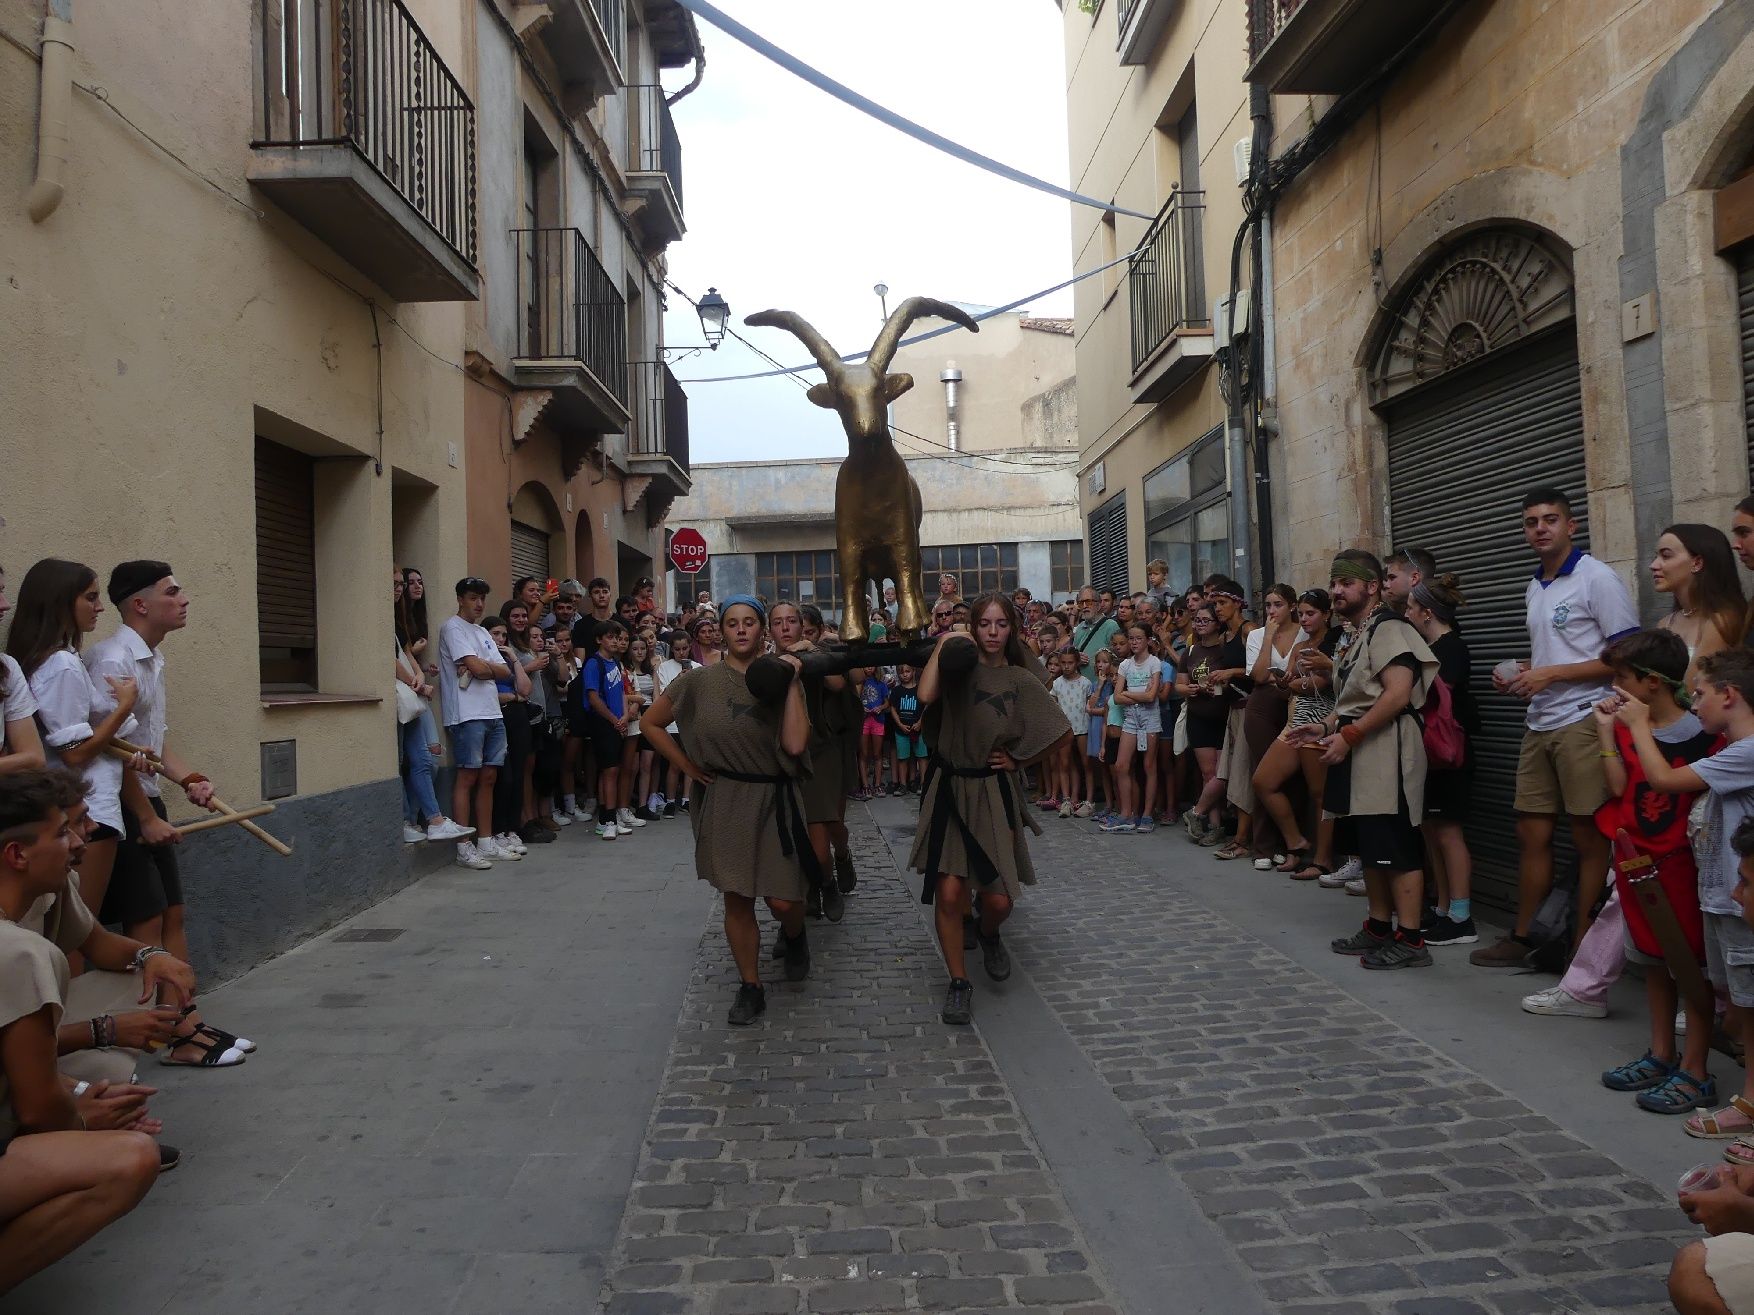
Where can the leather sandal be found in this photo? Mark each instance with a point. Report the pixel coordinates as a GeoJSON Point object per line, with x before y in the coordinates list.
{"type": "Point", "coordinates": [213, 1053]}
{"type": "Point", "coordinates": [1709, 1126]}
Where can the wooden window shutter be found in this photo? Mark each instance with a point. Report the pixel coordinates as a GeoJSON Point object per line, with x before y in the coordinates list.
{"type": "Point", "coordinates": [286, 564]}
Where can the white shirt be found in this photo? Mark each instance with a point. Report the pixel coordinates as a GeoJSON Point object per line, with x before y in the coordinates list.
{"type": "Point", "coordinates": [479, 701]}
{"type": "Point", "coordinates": [19, 702]}
{"type": "Point", "coordinates": [1572, 618]}
{"type": "Point", "coordinates": [68, 706]}
{"type": "Point", "coordinates": [1251, 646]}
{"type": "Point", "coordinates": [668, 670]}
{"type": "Point", "coordinates": [125, 653]}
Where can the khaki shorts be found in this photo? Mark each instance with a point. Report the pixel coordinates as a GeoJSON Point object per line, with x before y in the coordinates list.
{"type": "Point", "coordinates": [1729, 1263]}
{"type": "Point", "coordinates": [1561, 771]}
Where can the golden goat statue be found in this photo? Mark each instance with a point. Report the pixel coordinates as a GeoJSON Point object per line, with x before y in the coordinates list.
{"type": "Point", "coordinates": [877, 505]}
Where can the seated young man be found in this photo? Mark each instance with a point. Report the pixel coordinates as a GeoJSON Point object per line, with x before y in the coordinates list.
{"type": "Point", "coordinates": [59, 1183]}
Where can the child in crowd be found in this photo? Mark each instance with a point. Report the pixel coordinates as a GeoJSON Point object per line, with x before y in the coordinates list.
{"type": "Point", "coordinates": [1136, 692]}
{"type": "Point", "coordinates": [906, 712]}
{"type": "Point", "coordinates": [1724, 688]}
{"type": "Point", "coordinates": [1650, 666]}
{"type": "Point", "coordinates": [1100, 747]}
{"type": "Point", "coordinates": [1071, 690]}
{"type": "Point", "coordinates": [605, 698]}
{"type": "Point", "coordinates": [874, 697]}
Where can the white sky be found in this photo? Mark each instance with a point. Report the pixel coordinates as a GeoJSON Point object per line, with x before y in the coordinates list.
{"type": "Point", "coordinates": [797, 202]}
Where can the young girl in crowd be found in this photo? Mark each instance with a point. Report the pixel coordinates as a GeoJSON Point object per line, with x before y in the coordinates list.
{"type": "Point", "coordinates": [1100, 747]}
{"type": "Point", "coordinates": [906, 713]}
{"type": "Point", "coordinates": [985, 726]}
{"type": "Point", "coordinates": [1267, 654]}
{"type": "Point", "coordinates": [672, 789]}
{"type": "Point", "coordinates": [514, 787]}
{"type": "Point", "coordinates": [1309, 679]}
{"type": "Point", "coordinates": [59, 603]}
{"type": "Point", "coordinates": [421, 816]}
{"type": "Point", "coordinates": [1432, 608]}
{"type": "Point", "coordinates": [21, 748]}
{"type": "Point", "coordinates": [1071, 690]}
{"type": "Point", "coordinates": [1696, 567]}
{"type": "Point", "coordinates": [1208, 705]}
{"type": "Point", "coordinates": [749, 840]}
{"type": "Point", "coordinates": [874, 698]}
{"type": "Point", "coordinates": [641, 673]}
{"type": "Point", "coordinates": [562, 754]}
{"type": "Point", "coordinates": [510, 690]}
{"type": "Point", "coordinates": [1136, 686]}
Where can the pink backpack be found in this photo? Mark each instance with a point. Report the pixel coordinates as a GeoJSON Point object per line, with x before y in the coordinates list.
{"type": "Point", "coordinates": [1446, 743]}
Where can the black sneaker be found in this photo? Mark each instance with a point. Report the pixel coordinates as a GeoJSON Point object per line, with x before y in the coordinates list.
{"type": "Point", "coordinates": [534, 833]}
{"type": "Point", "coordinates": [1396, 953]}
{"type": "Point", "coordinates": [796, 952]}
{"type": "Point", "coordinates": [834, 904]}
{"type": "Point", "coordinates": [1362, 941]}
{"type": "Point", "coordinates": [845, 876]}
{"type": "Point", "coordinates": [995, 957]}
{"type": "Point", "coordinates": [1445, 930]}
{"type": "Point", "coordinates": [971, 933]}
{"type": "Point", "coordinates": [895, 790]}
{"type": "Point", "coordinates": [959, 1002]}
{"type": "Point", "coordinates": [645, 814]}
{"type": "Point", "coordinates": [751, 1004]}
{"type": "Point", "coordinates": [670, 809]}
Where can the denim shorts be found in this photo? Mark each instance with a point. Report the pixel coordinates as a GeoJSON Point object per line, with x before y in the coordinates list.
{"type": "Point", "coordinates": [478, 743]}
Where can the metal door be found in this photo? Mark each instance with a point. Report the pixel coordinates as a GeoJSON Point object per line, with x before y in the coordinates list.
{"type": "Point", "coordinates": [1462, 452]}
{"type": "Point", "coordinates": [1745, 301]}
{"type": "Point", "coordinates": [1108, 545]}
{"type": "Point", "coordinates": [529, 552]}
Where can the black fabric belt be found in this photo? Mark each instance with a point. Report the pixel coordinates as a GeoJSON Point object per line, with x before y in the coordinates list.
{"type": "Point", "coordinates": [944, 812]}
{"type": "Point", "coordinates": [794, 832]}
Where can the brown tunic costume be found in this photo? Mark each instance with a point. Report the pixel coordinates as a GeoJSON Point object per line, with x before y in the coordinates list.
{"type": "Point", "coordinates": [832, 751]}
{"type": "Point", "coordinates": [746, 832]}
{"type": "Point", "coordinates": [971, 817]}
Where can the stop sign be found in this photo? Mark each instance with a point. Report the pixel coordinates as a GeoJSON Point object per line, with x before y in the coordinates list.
{"type": "Point", "coordinates": [688, 551]}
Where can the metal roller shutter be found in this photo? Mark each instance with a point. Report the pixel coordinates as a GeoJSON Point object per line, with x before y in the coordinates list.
{"type": "Point", "coordinates": [1461, 455]}
{"type": "Point", "coordinates": [1745, 301]}
{"type": "Point", "coordinates": [529, 551]}
{"type": "Point", "coordinates": [286, 566]}
{"type": "Point", "coordinates": [1108, 545]}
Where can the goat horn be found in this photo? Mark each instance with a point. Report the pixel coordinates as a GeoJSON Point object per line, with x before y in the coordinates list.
{"type": "Point", "coordinates": [800, 328]}
{"type": "Point", "coordinates": [914, 308]}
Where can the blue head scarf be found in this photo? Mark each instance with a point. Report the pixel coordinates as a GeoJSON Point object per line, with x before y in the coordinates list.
{"type": "Point", "coordinates": [747, 600]}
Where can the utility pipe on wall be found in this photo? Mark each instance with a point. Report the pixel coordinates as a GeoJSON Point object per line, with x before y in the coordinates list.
{"type": "Point", "coordinates": [952, 380]}
{"type": "Point", "coordinates": [54, 105]}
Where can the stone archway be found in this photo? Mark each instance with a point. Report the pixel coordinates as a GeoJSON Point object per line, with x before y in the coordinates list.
{"type": "Point", "coordinates": [583, 549]}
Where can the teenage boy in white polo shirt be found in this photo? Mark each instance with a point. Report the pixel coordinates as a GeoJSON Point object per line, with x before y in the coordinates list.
{"type": "Point", "coordinates": [1576, 607]}
{"type": "Point", "coordinates": [469, 663]}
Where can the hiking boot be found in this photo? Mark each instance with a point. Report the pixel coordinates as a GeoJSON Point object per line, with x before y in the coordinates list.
{"type": "Point", "coordinates": [844, 874]}
{"type": "Point", "coordinates": [750, 1004]}
{"type": "Point", "coordinates": [1396, 953]}
{"type": "Point", "coordinates": [959, 1002]}
{"type": "Point", "coordinates": [796, 952]}
{"type": "Point", "coordinates": [1445, 930]}
{"type": "Point", "coordinates": [1505, 952]}
{"type": "Point", "coordinates": [1360, 942]}
{"type": "Point", "coordinates": [994, 956]}
{"type": "Point", "coordinates": [834, 904]}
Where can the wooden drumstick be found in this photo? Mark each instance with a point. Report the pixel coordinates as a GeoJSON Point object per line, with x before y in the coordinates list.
{"type": "Point", "coordinates": [121, 748]}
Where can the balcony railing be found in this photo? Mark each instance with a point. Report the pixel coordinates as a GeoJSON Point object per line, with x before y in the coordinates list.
{"type": "Point", "coordinates": [571, 308]}
{"type": "Point", "coordinates": [361, 74]}
{"type": "Point", "coordinates": [660, 413]}
{"type": "Point", "coordinates": [1166, 282]}
{"type": "Point", "coordinates": [656, 148]}
{"type": "Point", "coordinates": [1124, 14]}
{"type": "Point", "coordinates": [1267, 18]}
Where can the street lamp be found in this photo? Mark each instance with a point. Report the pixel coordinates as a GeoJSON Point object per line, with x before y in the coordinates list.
{"type": "Point", "coordinates": [715, 314]}
{"type": "Point", "coordinates": [882, 291]}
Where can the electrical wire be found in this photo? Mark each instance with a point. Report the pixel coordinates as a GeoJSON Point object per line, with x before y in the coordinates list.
{"type": "Point", "coordinates": [846, 95]}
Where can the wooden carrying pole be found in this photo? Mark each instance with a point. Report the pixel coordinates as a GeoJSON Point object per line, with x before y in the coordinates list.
{"type": "Point", "coordinates": [223, 819]}
{"type": "Point", "coordinates": [121, 748]}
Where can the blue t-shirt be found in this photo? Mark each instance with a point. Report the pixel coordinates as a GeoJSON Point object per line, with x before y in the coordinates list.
{"type": "Point", "coordinates": [907, 706]}
{"type": "Point", "coordinates": [873, 693]}
{"type": "Point", "coordinates": [604, 676]}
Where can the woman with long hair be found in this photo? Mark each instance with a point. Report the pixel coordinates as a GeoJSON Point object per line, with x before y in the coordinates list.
{"type": "Point", "coordinates": [746, 755]}
{"type": "Point", "coordinates": [59, 603]}
{"type": "Point", "coordinates": [1267, 653]}
{"type": "Point", "coordinates": [984, 727]}
{"type": "Point", "coordinates": [21, 748]}
{"type": "Point", "coordinates": [1309, 679]}
{"type": "Point", "coordinates": [422, 819]}
{"type": "Point", "coordinates": [1695, 565]}
{"type": "Point", "coordinates": [1431, 609]}
{"type": "Point", "coordinates": [674, 789]}
{"type": "Point", "coordinates": [642, 670]}
{"type": "Point", "coordinates": [796, 629]}
{"type": "Point", "coordinates": [1203, 684]}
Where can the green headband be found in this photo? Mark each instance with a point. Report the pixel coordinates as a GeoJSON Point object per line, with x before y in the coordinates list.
{"type": "Point", "coordinates": [1344, 568]}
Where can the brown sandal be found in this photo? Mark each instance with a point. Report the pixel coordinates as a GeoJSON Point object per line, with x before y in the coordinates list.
{"type": "Point", "coordinates": [1230, 851]}
{"type": "Point", "coordinates": [1707, 1125]}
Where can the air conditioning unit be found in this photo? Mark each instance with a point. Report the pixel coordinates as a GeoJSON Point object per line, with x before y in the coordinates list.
{"type": "Point", "coordinates": [1229, 324]}
{"type": "Point", "coordinates": [1243, 156]}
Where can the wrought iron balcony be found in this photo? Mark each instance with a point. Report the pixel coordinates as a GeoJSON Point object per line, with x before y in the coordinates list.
{"type": "Point", "coordinates": [1140, 24]}
{"type": "Point", "coordinates": [657, 443]}
{"type": "Point", "coordinates": [587, 39]}
{"type": "Point", "coordinates": [368, 140]}
{"type": "Point", "coordinates": [1166, 295]}
{"type": "Point", "coordinates": [654, 165]}
{"type": "Point", "coordinates": [572, 330]}
{"type": "Point", "coordinates": [1329, 47]}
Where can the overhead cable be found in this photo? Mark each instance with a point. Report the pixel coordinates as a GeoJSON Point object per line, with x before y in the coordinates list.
{"type": "Point", "coordinates": [841, 92]}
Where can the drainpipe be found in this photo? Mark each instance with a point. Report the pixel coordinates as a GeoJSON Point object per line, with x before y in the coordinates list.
{"type": "Point", "coordinates": [1263, 377]}
{"type": "Point", "coordinates": [951, 379]}
{"type": "Point", "coordinates": [46, 192]}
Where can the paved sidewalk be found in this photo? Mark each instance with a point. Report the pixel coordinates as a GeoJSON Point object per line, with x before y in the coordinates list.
{"type": "Point", "coordinates": [445, 1121]}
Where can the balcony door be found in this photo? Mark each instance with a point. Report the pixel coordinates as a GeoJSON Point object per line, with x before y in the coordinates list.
{"type": "Point", "coordinates": [1187, 134]}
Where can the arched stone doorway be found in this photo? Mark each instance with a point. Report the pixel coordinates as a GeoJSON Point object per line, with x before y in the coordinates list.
{"type": "Point", "coordinates": [583, 550]}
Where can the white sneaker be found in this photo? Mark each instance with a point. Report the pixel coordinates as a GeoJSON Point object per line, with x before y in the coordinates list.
{"type": "Point", "coordinates": [1557, 1002]}
{"type": "Point", "coordinates": [511, 843]}
{"type": "Point", "coordinates": [492, 848]}
{"type": "Point", "coordinates": [561, 819]}
{"type": "Point", "coordinates": [1335, 880]}
{"type": "Point", "coordinates": [1352, 869]}
{"type": "Point", "coordinates": [412, 835]}
{"type": "Point", "coordinates": [606, 830]}
{"type": "Point", "coordinates": [625, 821]}
{"type": "Point", "coordinates": [1357, 887]}
{"type": "Point", "coordinates": [470, 857]}
{"type": "Point", "coordinates": [445, 829]}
